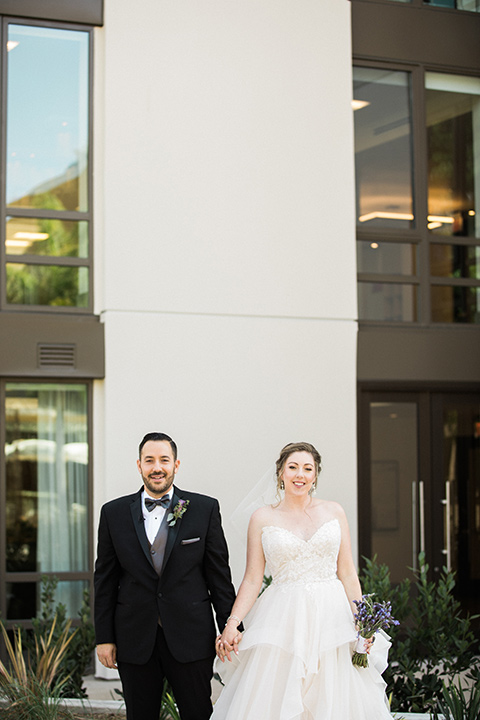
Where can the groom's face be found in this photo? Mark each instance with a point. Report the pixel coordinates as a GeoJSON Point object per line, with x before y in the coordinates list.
{"type": "Point", "coordinates": [157, 467]}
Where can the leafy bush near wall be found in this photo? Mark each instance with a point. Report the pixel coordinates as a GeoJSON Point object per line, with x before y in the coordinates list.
{"type": "Point", "coordinates": [79, 652]}
{"type": "Point", "coordinates": [433, 645]}
{"type": "Point", "coordinates": [458, 702]}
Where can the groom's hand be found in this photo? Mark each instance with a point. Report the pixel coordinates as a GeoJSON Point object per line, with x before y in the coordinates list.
{"type": "Point", "coordinates": [226, 643]}
{"type": "Point", "coordinates": [107, 654]}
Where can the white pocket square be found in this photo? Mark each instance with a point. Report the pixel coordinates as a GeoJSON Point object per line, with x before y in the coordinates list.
{"type": "Point", "coordinates": [189, 541]}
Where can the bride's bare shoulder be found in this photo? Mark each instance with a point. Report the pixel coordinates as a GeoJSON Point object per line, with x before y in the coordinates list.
{"type": "Point", "coordinates": [332, 508]}
{"type": "Point", "coordinates": [262, 516]}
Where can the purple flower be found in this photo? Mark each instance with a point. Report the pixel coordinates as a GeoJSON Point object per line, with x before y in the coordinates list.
{"type": "Point", "coordinates": [177, 512]}
{"type": "Point", "coordinates": [371, 617]}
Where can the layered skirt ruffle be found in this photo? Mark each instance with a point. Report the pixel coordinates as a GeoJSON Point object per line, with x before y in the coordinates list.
{"type": "Point", "coordinates": [295, 661]}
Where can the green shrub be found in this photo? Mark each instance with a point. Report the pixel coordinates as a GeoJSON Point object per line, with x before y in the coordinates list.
{"type": "Point", "coordinates": [433, 643]}
{"type": "Point", "coordinates": [32, 686]}
{"type": "Point", "coordinates": [82, 643]}
{"type": "Point", "coordinates": [459, 703]}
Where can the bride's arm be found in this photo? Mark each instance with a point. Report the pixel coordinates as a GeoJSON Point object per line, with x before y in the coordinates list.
{"type": "Point", "coordinates": [346, 569]}
{"type": "Point", "coordinates": [249, 587]}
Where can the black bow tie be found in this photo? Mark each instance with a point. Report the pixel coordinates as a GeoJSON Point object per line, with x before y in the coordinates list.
{"type": "Point", "coordinates": [163, 501]}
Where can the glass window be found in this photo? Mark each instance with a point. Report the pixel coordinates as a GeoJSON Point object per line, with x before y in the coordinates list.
{"type": "Point", "coordinates": [47, 189]}
{"type": "Point", "coordinates": [469, 5]}
{"type": "Point", "coordinates": [455, 304]}
{"type": "Point", "coordinates": [453, 126]}
{"type": "Point", "coordinates": [390, 242]}
{"type": "Point", "coordinates": [24, 599]}
{"type": "Point", "coordinates": [455, 261]}
{"type": "Point", "coordinates": [383, 148]}
{"type": "Point", "coordinates": [46, 456]}
{"type": "Point", "coordinates": [53, 285]}
{"type": "Point", "coordinates": [47, 118]}
{"type": "Point", "coordinates": [46, 236]}
{"type": "Point", "coordinates": [390, 302]}
{"type": "Point", "coordinates": [374, 256]}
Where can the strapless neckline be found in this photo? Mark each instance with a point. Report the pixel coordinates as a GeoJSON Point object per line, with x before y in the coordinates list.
{"type": "Point", "coordinates": [278, 527]}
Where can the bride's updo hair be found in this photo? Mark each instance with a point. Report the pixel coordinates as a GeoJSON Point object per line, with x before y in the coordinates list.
{"type": "Point", "coordinates": [292, 448]}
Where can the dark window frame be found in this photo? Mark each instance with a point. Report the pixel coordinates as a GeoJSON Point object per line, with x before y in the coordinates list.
{"type": "Point", "coordinates": [7, 211]}
{"type": "Point", "coordinates": [29, 577]}
{"type": "Point", "coordinates": [420, 4]}
{"type": "Point", "coordinates": [417, 235]}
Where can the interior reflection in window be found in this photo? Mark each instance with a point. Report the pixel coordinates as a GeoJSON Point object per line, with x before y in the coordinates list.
{"type": "Point", "coordinates": [453, 124]}
{"type": "Point", "coordinates": [46, 456]}
{"type": "Point", "coordinates": [383, 148]}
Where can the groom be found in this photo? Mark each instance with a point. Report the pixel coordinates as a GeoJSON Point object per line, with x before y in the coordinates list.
{"type": "Point", "coordinates": [162, 563]}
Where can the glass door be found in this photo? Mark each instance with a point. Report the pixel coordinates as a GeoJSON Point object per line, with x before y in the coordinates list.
{"type": "Point", "coordinates": [456, 493]}
{"type": "Point", "coordinates": [396, 531]}
{"type": "Point", "coordinates": [420, 484]}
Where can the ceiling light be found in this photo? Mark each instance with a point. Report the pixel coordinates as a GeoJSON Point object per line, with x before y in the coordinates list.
{"type": "Point", "coordinates": [17, 243]}
{"type": "Point", "coordinates": [441, 219]}
{"type": "Point", "coordinates": [385, 216]}
{"type": "Point", "coordinates": [359, 104]}
{"type": "Point", "coordinates": [30, 236]}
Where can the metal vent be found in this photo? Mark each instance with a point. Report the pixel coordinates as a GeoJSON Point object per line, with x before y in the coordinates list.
{"type": "Point", "coordinates": [55, 356]}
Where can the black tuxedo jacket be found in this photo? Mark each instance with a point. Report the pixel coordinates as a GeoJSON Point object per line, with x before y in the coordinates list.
{"type": "Point", "coordinates": [129, 595]}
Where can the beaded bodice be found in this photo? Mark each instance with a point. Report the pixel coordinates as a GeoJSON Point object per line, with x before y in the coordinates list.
{"type": "Point", "coordinates": [293, 560]}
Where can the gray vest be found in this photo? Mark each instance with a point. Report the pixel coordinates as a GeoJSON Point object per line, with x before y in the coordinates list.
{"type": "Point", "coordinates": [157, 548]}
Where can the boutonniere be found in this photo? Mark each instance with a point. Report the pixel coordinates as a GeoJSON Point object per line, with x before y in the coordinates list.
{"type": "Point", "coordinates": [177, 512]}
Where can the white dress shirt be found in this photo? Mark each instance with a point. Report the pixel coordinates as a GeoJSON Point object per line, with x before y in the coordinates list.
{"type": "Point", "coordinates": [154, 517]}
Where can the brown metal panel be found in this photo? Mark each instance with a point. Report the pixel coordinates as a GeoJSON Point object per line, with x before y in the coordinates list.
{"type": "Point", "coordinates": [23, 336]}
{"type": "Point", "coordinates": [402, 33]}
{"type": "Point", "coordinates": [89, 12]}
{"type": "Point", "coordinates": [417, 354]}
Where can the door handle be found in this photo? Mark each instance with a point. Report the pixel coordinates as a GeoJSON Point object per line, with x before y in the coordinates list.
{"type": "Point", "coordinates": [421, 500]}
{"type": "Point", "coordinates": [447, 550]}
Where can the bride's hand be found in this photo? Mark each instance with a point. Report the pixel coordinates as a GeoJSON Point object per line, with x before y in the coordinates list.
{"type": "Point", "coordinates": [227, 642]}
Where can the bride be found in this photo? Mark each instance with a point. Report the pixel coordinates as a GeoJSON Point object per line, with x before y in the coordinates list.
{"type": "Point", "coordinates": [294, 659]}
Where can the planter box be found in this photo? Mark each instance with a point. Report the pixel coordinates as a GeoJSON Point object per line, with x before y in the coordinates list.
{"type": "Point", "coordinates": [413, 716]}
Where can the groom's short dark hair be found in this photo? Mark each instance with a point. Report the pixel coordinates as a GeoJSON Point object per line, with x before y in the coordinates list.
{"type": "Point", "coordinates": [156, 437]}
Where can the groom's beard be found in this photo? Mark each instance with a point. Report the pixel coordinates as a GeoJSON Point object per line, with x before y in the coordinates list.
{"type": "Point", "coordinates": [157, 489]}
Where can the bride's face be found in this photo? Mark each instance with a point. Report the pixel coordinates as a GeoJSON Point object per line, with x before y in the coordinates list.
{"type": "Point", "coordinates": [299, 473]}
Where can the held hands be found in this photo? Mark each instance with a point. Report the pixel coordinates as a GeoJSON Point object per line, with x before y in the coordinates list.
{"type": "Point", "coordinates": [228, 641]}
{"type": "Point", "coordinates": [107, 654]}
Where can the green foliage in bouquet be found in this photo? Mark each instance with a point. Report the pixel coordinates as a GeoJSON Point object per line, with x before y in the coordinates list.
{"type": "Point", "coordinates": [52, 619]}
{"type": "Point", "coordinates": [433, 644]}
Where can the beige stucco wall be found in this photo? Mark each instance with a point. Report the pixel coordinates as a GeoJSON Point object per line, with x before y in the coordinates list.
{"type": "Point", "coordinates": [225, 251]}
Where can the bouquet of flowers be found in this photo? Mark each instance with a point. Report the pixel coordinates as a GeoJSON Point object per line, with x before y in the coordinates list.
{"type": "Point", "coordinates": [371, 617]}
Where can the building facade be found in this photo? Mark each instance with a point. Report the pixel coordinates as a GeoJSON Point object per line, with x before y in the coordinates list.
{"type": "Point", "coordinates": [200, 236]}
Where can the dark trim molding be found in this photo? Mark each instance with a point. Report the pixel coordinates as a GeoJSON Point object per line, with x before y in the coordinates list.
{"type": "Point", "coordinates": [88, 12]}
{"type": "Point", "coordinates": [74, 345]}
{"type": "Point", "coordinates": [421, 35]}
{"type": "Point", "coordinates": [426, 355]}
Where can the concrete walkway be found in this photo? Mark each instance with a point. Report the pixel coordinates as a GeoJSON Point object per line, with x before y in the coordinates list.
{"type": "Point", "coordinates": [102, 696]}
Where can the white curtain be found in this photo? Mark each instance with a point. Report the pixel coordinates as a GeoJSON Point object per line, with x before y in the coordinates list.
{"type": "Point", "coordinates": [62, 541]}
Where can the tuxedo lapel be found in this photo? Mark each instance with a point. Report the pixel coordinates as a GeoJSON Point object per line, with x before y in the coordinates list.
{"type": "Point", "coordinates": [173, 530]}
{"type": "Point", "coordinates": [139, 524]}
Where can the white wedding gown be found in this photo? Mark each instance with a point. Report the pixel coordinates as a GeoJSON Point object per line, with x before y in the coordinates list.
{"type": "Point", "coordinates": [294, 659]}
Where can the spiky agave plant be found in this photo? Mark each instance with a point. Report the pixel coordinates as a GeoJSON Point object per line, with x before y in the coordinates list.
{"type": "Point", "coordinates": [455, 703]}
{"type": "Point", "coordinates": [33, 689]}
